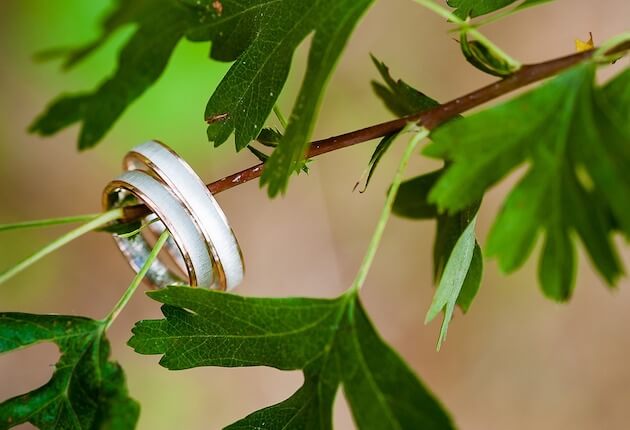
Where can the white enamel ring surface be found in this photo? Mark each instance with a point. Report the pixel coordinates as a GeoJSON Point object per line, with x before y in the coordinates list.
{"type": "Point", "coordinates": [182, 181]}
{"type": "Point", "coordinates": [177, 220]}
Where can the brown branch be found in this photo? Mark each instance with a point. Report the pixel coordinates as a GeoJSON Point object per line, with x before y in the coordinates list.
{"type": "Point", "coordinates": [430, 119]}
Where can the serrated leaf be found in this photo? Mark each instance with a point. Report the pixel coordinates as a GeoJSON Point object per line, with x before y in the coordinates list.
{"type": "Point", "coordinates": [412, 202]}
{"type": "Point", "coordinates": [331, 341]}
{"type": "Point", "coordinates": [250, 88]}
{"type": "Point", "coordinates": [401, 99]}
{"type": "Point", "coordinates": [332, 21]}
{"type": "Point", "coordinates": [453, 278]}
{"type": "Point", "coordinates": [303, 410]}
{"type": "Point", "coordinates": [575, 138]}
{"type": "Point", "coordinates": [86, 390]}
{"type": "Point", "coordinates": [259, 36]}
{"type": "Point", "coordinates": [160, 26]}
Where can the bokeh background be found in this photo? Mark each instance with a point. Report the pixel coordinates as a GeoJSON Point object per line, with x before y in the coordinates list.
{"type": "Point", "coordinates": [515, 361]}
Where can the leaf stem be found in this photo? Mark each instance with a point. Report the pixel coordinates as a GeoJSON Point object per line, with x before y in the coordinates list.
{"type": "Point", "coordinates": [281, 118]}
{"type": "Point", "coordinates": [111, 316]}
{"type": "Point", "coordinates": [470, 29]}
{"type": "Point", "coordinates": [612, 49]}
{"type": "Point", "coordinates": [499, 15]}
{"type": "Point", "coordinates": [419, 134]}
{"type": "Point", "coordinates": [138, 230]}
{"type": "Point", "coordinates": [47, 222]}
{"type": "Point", "coordinates": [95, 223]}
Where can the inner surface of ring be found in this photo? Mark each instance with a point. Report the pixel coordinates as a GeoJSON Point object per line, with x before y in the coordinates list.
{"type": "Point", "coordinates": [136, 250]}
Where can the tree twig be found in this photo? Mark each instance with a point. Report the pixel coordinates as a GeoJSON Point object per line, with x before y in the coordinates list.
{"type": "Point", "coordinates": [429, 119]}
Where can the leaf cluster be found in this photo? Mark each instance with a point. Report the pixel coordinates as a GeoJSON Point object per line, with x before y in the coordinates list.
{"type": "Point", "coordinates": [573, 137]}
{"type": "Point", "coordinates": [258, 36]}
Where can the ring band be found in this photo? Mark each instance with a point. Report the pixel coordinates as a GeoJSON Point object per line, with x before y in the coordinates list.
{"type": "Point", "coordinates": [204, 210]}
{"type": "Point", "coordinates": [177, 220]}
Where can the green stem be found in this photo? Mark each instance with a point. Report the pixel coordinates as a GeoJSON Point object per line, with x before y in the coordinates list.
{"type": "Point", "coordinates": [621, 41]}
{"type": "Point", "coordinates": [495, 17]}
{"type": "Point", "coordinates": [387, 209]}
{"type": "Point", "coordinates": [109, 319]}
{"type": "Point", "coordinates": [283, 121]}
{"type": "Point", "coordinates": [47, 222]}
{"type": "Point", "coordinates": [138, 230]}
{"type": "Point", "coordinates": [95, 223]}
{"type": "Point", "coordinates": [464, 26]}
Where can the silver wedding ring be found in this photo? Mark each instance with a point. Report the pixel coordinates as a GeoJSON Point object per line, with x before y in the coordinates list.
{"type": "Point", "coordinates": [201, 242]}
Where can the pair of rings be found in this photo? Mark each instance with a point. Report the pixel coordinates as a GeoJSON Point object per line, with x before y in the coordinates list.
{"type": "Point", "coordinates": [201, 244]}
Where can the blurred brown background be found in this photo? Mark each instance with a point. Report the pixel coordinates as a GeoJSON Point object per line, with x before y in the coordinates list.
{"type": "Point", "coordinates": [516, 361]}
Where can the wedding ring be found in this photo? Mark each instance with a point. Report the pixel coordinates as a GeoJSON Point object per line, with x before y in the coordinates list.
{"type": "Point", "coordinates": [203, 209]}
{"type": "Point", "coordinates": [191, 245]}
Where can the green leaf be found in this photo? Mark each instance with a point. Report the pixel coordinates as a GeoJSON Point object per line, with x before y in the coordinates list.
{"type": "Point", "coordinates": [378, 153]}
{"type": "Point", "coordinates": [270, 137]}
{"type": "Point", "coordinates": [484, 58]}
{"type": "Point", "coordinates": [331, 341]}
{"type": "Point", "coordinates": [262, 157]}
{"type": "Point", "coordinates": [472, 282]}
{"type": "Point", "coordinates": [85, 391]}
{"type": "Point", "coordinates": [412, 198]}
{"type": "Point", "coordinates": [259, 36]}
{"type": "Point", "coordinates": [412, 202]}
{"type": "Point", "coordinates": [300, 411]}
{"type": "Point", "coordinates": [399, 97]}
{"type": "Point", "coordinates": [473, 8]}
{"type": "Point", "coordinates": [453, 278]}
{"type": "Point", "coordinates": [160, 24]}
{"type": "Point", "coordinates": [574, 137]}
{"type": "Point", "coordinates": [332, 21]}
{"type": "Point", "coordinates": [449, 229]}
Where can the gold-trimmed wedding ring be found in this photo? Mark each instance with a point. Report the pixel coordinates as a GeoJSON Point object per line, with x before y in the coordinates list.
{"type": "Point", "coordinates": [162, 162]}
{"type": "Point", "coordinates": [148, 190]}
{"type": "Point", "coordinates": [201, 242]}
